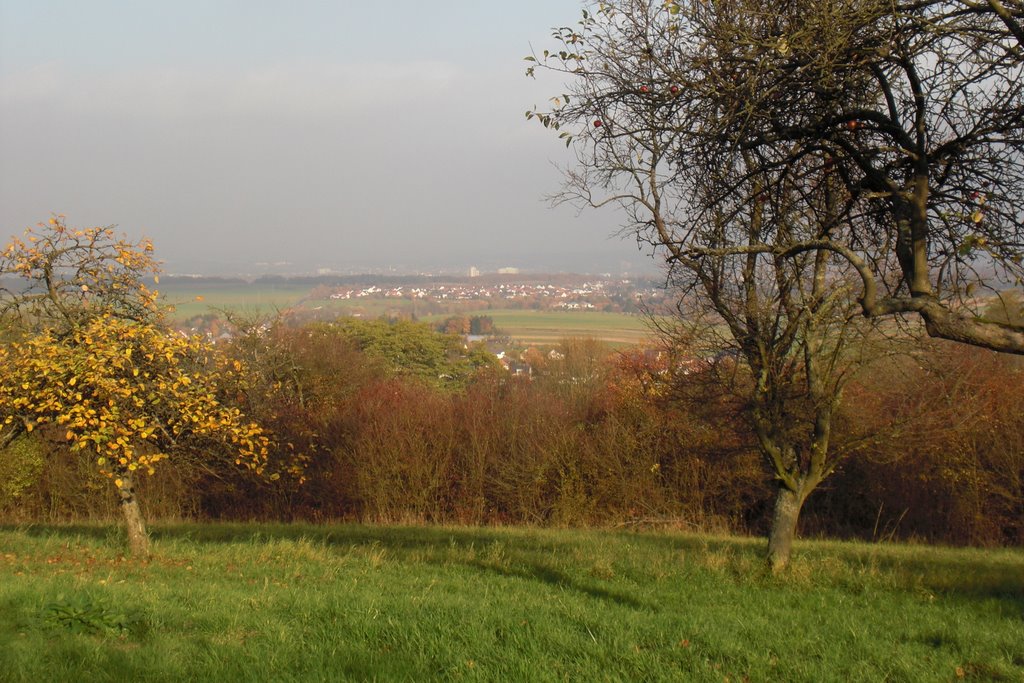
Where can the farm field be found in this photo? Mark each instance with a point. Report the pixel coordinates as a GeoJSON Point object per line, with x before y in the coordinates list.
{"type": "Point", "coordinates": [525, 326]}
{"type": "Point", "coordinates": [549, 327]}
{"type": "Point", "coordinates": [297, 603]}
{"type": "Point", "coordinates": [191, 299]}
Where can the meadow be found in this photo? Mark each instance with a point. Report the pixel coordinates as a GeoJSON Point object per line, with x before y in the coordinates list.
{"type": "Point", "coordinates": [206, 296]}
{"type": "Point", "coordinates": [328, 603]}
{"type": "Point", "coordinates": [550, 327]}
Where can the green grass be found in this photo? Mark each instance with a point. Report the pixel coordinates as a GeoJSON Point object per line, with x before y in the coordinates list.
{"type": "Point", "coordinates": [297, 603]}
{"type": "Point", "coordinates": [264, 298]}
{"type": "Point", "coordinates": [550, 327]}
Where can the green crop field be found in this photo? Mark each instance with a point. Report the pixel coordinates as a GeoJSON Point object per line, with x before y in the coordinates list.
{"type": "Point", "coordinates": [549, 327]}
{"type": "Point", "coordinates": [191, 299]}
{"type": "Point", "coordinates": [367, 307]}
{"type": "Point", "coordinates": [335, 603]}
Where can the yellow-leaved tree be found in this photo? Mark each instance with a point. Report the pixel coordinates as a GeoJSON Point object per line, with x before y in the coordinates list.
{"type": "Point", "coordinates": [89, 360]}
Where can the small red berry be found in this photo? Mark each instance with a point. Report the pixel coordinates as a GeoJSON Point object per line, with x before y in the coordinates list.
{"type": "Point", "coordinates": [853, 125]}
{"type": "Point", "coordinates": [644, 89]}
{"type": "Point", "coordinates": [674, 89]}
{"type": "Point", "coordinates": [598, 123]}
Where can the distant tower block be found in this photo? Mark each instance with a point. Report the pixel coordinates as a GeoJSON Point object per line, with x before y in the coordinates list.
{"type": "Point", "coordinates": [474, 271]}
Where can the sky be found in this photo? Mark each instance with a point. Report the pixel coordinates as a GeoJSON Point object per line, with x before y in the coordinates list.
{"type": "Point", "coordinates": [250, 136]}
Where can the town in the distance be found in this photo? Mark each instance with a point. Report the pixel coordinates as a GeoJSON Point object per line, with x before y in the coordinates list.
{"type": "Point", "coordinates": [510, 311]}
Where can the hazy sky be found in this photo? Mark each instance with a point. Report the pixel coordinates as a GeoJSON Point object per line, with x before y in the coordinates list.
{"type": "Point", "coordinates": [326, 134]}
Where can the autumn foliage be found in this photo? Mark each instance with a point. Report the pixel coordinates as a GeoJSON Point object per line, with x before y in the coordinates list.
{"type": "Point", "coordinates": [62, 277]}
{"type": "Point", "coordinates": [632, 449]}
{"type": "Point", "coordinates": [378, 422]}
{"type": "Point", "coordinates": [91, 364]}
{"type": "Point", "coordinates": [127, 393]}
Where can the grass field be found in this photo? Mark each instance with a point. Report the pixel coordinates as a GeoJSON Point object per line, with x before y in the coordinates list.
{"type": "Point", "coordinates": [302, 603]}
{"type": "Point", "coordinates": [549, 327]}
{"type": "Point", "coordinates": [203, 297]}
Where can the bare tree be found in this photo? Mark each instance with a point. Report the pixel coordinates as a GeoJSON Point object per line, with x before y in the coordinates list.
{"type": "Point", "coordinates": [917, 107]}
{"type": "Point", "coordinates": [748, 244]}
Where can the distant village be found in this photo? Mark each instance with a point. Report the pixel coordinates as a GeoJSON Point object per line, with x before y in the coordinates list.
{"type": "Point", "coordinates": [618, 295]}
{"type": "Point", "coordinates": [509, 290]}
{"type": "Point", "coordinates": [457, 306]}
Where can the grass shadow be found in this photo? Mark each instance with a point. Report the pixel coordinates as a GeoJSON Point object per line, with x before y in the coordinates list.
{"type": "Point", "coordinates": [552, 577]}
{"type": "Point", "coordinates": [952, 572]}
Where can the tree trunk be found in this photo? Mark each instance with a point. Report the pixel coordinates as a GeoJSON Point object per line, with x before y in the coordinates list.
{"type": "Point", "coordinates": [135, 525]}
{"type": "Point", "coordinates": [783, 530]}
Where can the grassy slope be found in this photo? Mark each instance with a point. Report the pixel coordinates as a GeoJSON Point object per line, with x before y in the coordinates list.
{"type": "Point", "coordinates": [354, 603]}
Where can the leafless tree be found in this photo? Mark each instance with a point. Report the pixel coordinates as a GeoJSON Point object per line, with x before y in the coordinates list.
{"type": "Point", "coordinates": [917, 107]}
{"type": "Point", "coordinates": [749, 244]}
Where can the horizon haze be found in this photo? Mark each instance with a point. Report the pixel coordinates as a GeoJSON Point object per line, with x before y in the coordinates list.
{"type": "Point", "coordinates": [322, 136]}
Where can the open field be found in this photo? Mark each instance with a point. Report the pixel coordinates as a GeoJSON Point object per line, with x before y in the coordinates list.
{"type": "Point", "coordinates": [204, 297]}
{"type": "Point", "coordinates": [549, 327]}
{"type": "Point", "coordinates": [525, 326]}
{"type": "Point", "coordinates": [191, 299]}
{"type": "Point", "coordinates": [293, 603]}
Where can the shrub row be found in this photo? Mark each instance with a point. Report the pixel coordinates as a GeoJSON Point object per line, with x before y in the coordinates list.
{"type": "Point", "coordinates": [595, 438]}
